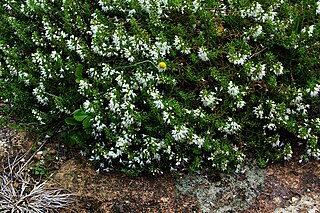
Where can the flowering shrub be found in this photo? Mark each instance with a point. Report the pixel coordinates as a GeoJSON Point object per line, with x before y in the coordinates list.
{"type": "Point", "coordinates": [165, 85]}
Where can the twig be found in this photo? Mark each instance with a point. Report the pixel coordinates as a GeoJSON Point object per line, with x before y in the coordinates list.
{"type": "Point", "coordinates": [258, 52]}
{"type": "Point", "coordinates": [27, 162]}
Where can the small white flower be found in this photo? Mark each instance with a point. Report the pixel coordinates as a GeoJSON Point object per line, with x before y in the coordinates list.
{"type": "Point", "coordinates": [315, 91]}
{"type": "Point", "coordinates": [241, 104]}
{"type": "Point", "coordinates": [277, 68]}
{"type": "Point", "coordinates": [158, 104]}
{"type": "Point", "coordinates": [233, 90]}
{"type": "Point", "coordinates": [202, 54]}
{"type": "Point", "coordinates": [237, 58]}
{"type": "Point", "coordinates": [209, 99]}
{"type": "Point", "coordinates": [258, 32]}
{"type": "Point", "coordinates": [258, 111]}
{"type": "Point", "coordinates": [231, 127]}
{"type": "Point", "coordinates": [196, 5]}
{"type": "Point", "coordinates": [180, 133]}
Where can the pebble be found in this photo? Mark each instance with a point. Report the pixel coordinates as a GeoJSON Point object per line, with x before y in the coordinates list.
{"type": "Point", "coordinates": [294, 199]}
{"type": "Point", "coordinates": [38, 157]}
{"type": "Point", "coordinates": [39, 153]}
{"type": "Point", "coordinates": [52, 152]}
{"type": "Point", "coordinates": [15, 184]}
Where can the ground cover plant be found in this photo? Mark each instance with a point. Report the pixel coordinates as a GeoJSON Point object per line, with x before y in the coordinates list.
{"type": "Point", "coordinates": [168, 85]}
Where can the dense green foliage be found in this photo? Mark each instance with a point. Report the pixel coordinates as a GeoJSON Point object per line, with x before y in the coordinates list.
{"type": "Point", "coordinates": [240, 78]}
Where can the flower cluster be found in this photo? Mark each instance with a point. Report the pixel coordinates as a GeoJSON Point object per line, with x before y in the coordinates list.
{"type": "Point", "coordinates": [238, 52]}
{"type": "Point", "coordinates": [230, 128]}
{"type": "Point", "coordinates": [181, 45]}
{"type": "Point", "coordinates": [315, 91]}
{"type": "Point", "coordinates": [253, 32]}
{"type": "Point", "coordinates": [202, 54]}
{"type": "Point", "coordinates": [38, 92]}
{"type": "Point", "coordinates": [209, 99]}
{"type": "Point", "coordinates": [277, 68]}
{"type": "Point", "coordinates": [238, 58]}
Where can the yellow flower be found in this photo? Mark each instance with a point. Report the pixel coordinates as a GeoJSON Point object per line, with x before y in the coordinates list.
{"type": "Point", "coordinates": [162, 65]}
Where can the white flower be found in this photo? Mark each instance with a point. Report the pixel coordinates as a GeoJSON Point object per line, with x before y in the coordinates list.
{"type": "Point", "coordinates": [277, 68]}
{"type": "Point", "coordinates": [231, 127]}
{"type": "Point", "coordinates": [298, 98]}
{"type": "Point", "coordinates": [258, 32]}
{"type": "Point", "coordinates": [39, 94]}
{"type": "Point", "coordinates": [166, 117]}
{"type": "Point", "coordinates": [87, 108]}
{"type": "Point", "coordinates": [255, 32]}
{"type": "Point", "coordinates": [196, 5]}
{"type": "Point", "coordinates": [255, 11]}
{"type": "Point", "coordinates": [310, 31]}
{"type": "Point", "coordinates": [197, 140]}
{"type": "Point", "coordinates": [255, 72]}
{"type": "Point", "coordinates": [180, 133]}
{"type": "Point", "coordinates": [83, 85]}
{"type": "Point", "coordinates": [163, 48]}
{"type": "Point", "coordinates": [241, 104]}
{"type": "Point", "coordinates": [268, 16]}
{"type": "Point", "coordinates": [177, 42]}
{"type": "Point", "coordinates": [315, 92]}
{"type": "Point", "coordinates": [180, 45]}
{"type": "Point", "coordinates": [209, 99]}
{"type": "Point", "coordinates": [233, 90]}
{"type": "Point", "coordinates": [259, 72]}
{"type": "Point", "coordinates": [158, 104]}
{"type": "Point", "coordinates": [237, 58]}
{"type": "Point", "coordinates": [202, 54]}
{"type": "Point", "coordinates": [258, 111]}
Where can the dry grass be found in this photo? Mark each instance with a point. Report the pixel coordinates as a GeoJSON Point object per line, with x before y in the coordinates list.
{"type": "Point", "coordinates": [20, 193]}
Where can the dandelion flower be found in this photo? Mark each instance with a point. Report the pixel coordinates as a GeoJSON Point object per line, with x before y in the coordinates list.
{"type": "Point", "coordinates": [162, 65]}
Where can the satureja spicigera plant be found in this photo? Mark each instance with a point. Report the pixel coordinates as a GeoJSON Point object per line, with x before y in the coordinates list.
{"type": "Point", "coordinates": [165, 85]}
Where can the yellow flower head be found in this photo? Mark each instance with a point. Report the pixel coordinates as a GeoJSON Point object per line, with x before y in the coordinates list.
{"type": "Point", "coordinates": [162, 65]}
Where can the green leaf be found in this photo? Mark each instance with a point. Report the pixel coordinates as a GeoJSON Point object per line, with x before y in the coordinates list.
{"type": "Point", "coordinates": [76, 138]}
{"type": "Point", "coordinates": [196, 150]}
{"type": "Point", "coordinates": [80, 115]}
{"type": "Point", "coordinates": [71, 121]}
{"type": "Point", "coordinates": [78, 72]}
{"type": "Point", "coordinates": [86, 122]}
